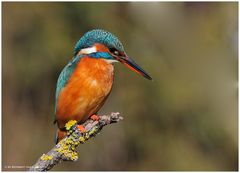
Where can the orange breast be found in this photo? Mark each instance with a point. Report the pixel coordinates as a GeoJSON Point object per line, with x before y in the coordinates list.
{"type": "Point", "coordinates": [85, 92]}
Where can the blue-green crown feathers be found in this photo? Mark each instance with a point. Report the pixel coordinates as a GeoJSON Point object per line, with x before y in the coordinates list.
{"type": "Point", "coordinates": [98, 36]}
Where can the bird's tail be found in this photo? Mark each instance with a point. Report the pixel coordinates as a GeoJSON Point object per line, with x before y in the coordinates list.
{"type": "Point", "coordinates": [60, 135]}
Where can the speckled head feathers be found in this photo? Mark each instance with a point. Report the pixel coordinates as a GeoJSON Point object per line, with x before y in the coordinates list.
{"type": "Point", "coordinates": [98, 36]}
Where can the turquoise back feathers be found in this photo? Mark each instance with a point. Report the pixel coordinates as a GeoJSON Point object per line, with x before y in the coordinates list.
{"type": "Point", "coordinates": [65, 75]}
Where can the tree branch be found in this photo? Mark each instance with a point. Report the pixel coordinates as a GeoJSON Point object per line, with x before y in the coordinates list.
{"type": "Point", "coordinates": [65, 150]}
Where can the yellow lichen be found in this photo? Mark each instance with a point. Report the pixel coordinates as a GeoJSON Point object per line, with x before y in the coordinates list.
{"type": "Point", "coordinates": [69, 141]}
{"type": "Point", "coordinates": [46, 157]}
{"type": "Point", "coordinates": [93, 131]}
{"type": "Point", "coordinates": [81, 139]}
{"type": "Point", "coordinates": [71, 155]}
{"type": "Point", "coordinates": [67, 147]}
{"type": "Point", "coordinates": [69, 124]}
{"type": "Point", "coordinates": [87, 136]}
{"type": "Point", "coordinates": [62, 148]}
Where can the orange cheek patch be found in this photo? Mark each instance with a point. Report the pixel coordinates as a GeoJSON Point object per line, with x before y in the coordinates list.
{"type": "Point", "coordinates": [101, 48]}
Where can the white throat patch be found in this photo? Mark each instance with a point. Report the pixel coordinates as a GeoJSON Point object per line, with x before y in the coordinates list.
{"type": "Point", "coordinates": [111, 61]}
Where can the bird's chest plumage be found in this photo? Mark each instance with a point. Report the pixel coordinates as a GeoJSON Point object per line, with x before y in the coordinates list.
{"type": "Point", "coordinates": [85, 91]}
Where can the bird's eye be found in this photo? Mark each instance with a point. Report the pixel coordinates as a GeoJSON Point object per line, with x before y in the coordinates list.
{"type": "Point", "coordinates": [114, 51]}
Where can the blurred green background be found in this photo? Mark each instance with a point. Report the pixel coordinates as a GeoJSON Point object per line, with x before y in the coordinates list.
{"type": "Point", "coordinates": [185, 119]}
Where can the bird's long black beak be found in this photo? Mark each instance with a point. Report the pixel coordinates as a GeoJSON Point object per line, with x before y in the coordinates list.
{"type": "Point", "coordinates": [133, 66]}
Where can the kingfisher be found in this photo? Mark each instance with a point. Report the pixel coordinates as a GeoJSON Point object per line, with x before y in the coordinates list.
{"type": "Point", "coordinates": [86, 81]}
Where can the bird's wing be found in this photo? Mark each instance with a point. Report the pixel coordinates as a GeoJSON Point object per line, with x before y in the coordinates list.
{"type": "Point", "coordinates": [65, 76]}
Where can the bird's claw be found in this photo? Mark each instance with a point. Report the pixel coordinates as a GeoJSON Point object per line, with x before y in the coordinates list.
{"type": "Point", "coordinates": [94, 117]}
{"type": "Point", "coordinates": [81, 128]}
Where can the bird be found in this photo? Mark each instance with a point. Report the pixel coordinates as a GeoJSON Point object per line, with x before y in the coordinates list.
{"type": "Point", "coordinates": [86, 81]}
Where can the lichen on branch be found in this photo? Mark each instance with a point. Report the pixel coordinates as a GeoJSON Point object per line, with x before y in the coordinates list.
{"type": "Point", "coordinates": [65, 150]}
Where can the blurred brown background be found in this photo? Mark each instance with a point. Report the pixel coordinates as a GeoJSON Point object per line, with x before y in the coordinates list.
{"type": "Point", "coordinates": [185, 119]}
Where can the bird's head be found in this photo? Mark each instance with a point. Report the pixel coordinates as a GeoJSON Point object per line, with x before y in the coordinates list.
{"type": "Point", "coordinates": [102, 44]}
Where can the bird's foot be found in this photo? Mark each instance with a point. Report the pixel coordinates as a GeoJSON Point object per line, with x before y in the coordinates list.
{"type": "Point", "coordinates": [81, 128]}
{"type": "Point", "coordinates": [95, 117]}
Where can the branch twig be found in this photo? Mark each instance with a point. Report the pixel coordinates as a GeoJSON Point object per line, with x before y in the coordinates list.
{"type": "Point", "coordinates": [65, 150]}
